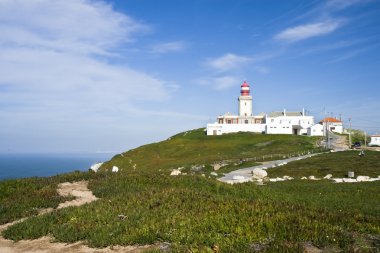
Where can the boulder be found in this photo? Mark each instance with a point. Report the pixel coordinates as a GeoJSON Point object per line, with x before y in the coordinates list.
{"type": "Point", "coordinates": [328, 176]}
{"type": "Point", "coordinates": [95, 167]}
{"type": "Point", "coordinates": [312, 178]}
{"type": "Point", "coordinates": [287, 178]}
{"type": "Point", "coordinates": [258, 173]}
{"type": "Point", "coordinates": [214, 174]}
{"type": "Point", "coordinates": [175, 172]}
{"type": "Point", "coordinates": [216, 166]}
{"type": "Point", "coordinates": [115, 169]}
{"type": "Point", "coordinates": [304, 178]}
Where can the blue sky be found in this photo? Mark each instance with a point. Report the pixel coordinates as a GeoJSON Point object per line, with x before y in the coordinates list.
{"type": "Point", "coordinates": [88, 76]}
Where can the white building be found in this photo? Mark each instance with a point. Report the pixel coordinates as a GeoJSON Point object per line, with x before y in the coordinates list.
{"type": "Point", "coordinates": [316, 130]}
{"type": "Point", "coordinates": [333, 124]}
{"type": "Point", "coordinates": [288, 123]}
{"type": "Point", "coordinates": [273, 123]}
{"type": "Point", "coordinates": [375, 140]}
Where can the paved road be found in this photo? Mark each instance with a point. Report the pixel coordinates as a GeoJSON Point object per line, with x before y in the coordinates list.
{"type": "Point", "coordinates": [244, 175]}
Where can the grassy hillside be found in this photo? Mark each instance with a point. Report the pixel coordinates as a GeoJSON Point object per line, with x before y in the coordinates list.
{"type": "Point", "coordinates": [194, 147]}
{"type": "Point", "coordinates": [192, 213]}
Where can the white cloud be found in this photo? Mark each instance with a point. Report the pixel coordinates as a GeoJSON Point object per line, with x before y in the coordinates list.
{"type": "Point", "coordinates": [59, 80]}
{"type": "Point", "coordinates": [221, 82]}
{"type": "Point", "coordinates": [56, 55]}
{"type": "Point", "coordinates": [302, 32]}
{"type": "Point", "coordinates": [174, 46]}
{"type": "Point", "coordinates": [341, 4]}
{"type": "Point", "coordinates": [227, 62]}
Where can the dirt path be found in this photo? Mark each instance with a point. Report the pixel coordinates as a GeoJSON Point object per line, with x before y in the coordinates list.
{"type": "Point", "coordinates": [45, 245]}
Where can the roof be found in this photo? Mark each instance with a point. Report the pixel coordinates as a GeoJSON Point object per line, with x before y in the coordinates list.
{"type": "Point", "coordinates": [375, 135]}
{"type": "Point", "coordinates": [280, 114]}
{"type": "Point", "coordinates": [330, 119]}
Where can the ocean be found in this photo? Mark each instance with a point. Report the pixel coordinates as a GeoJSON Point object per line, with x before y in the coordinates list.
{"type": "Point", "coordinates": [42, 165]}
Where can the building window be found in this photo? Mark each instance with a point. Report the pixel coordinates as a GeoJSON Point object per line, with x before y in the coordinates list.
{"type": "Point", "coordinates": [228, 121]}
{"type": "Point", "coordinates": [272, 120]}
{"type": "Point", "coordinates": [246, 121]}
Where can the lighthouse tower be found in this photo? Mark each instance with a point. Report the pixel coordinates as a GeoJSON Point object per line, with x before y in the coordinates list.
{"type": "Point", "coordinates": [245, 101]}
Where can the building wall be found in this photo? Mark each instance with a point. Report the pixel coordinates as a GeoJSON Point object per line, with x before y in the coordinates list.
{"type": "Point", "coordinates": [316, 130]}
{"type": "Point", "coordinates": [289, 124]}
{"type": "Point", "coordinates": [218, 129]}
{"type": "Point", "coordinates": [374, 141]}
{"type": "Point", "coordinates": [336, 127]}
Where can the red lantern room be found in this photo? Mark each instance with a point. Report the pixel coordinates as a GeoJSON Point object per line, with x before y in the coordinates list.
{"type": "Point", "coordinates": [244, 89]}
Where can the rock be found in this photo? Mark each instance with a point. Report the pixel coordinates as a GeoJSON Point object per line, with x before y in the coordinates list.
{"type": "Point", "coordinates": [308, 247]}
{"type": "Point", "coordinates": [312, 178]}
{"type": "Point", "coordinates": [175, 172]}
{"type": "Point", "coordinates": [303, 178]}
{"type": "Point", "coordinates": [279, 179]}
{"type": "Point", "coordinates": [214, 174]}
{"type": "Point", "coordinates": [95, 167]}
{"type": "Point", "coordinates": [287, 178]}
{"type": "Point", "coordinates": [363, 179]}
{"type": "Point", "coordinates": [273, 180]}
{"type": "Point", "coordinates": [216, 166]}
{"type": "Point", "coordinates": [258, 173]}
{"type": "Point", "coordinates": [115, 169]}
{"type": "Point", "coordinates": [328, 176]}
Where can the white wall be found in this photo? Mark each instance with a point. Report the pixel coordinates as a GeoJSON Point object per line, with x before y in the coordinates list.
{"type": "Point", "coordinates": [286, 124]}
{"type": "Point", "coordinates": [234, 128]}
{"type": "Point", "coordinates": [316, 130]}
{"type": "Point", "coordinates": [374, 141]}
{"type": "Point", "coordinates": [335, 127]}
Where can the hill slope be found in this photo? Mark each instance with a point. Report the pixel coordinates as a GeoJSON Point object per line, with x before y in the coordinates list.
{"type": "Point", "coordinates": [194, 147]}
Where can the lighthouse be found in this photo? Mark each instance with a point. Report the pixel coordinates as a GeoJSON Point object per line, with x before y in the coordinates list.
{"type": "Point", "coordinates": [245, 101]}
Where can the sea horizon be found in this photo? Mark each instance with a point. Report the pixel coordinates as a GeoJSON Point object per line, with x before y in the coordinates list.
{"type": "Point", "coordinates": [33, 164]}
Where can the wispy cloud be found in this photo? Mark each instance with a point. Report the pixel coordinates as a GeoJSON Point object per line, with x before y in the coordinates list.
{"type": "Point", "coordinates": [352, 53]}
{"type": "Point", "coordinates": [227, 62]}
{"type": "Point", "coordinates": [168, 47]}
{"type": "Point", "coordinates": [221, 82]}
{"type": "Point", "coordinates": [55, 56]}
{"type": "Point", "coordinates": [310, 30]}
{"type": "Point", "coordinates": [341, 4]}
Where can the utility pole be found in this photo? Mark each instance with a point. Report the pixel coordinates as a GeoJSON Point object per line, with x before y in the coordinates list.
{"type": "Point", "coordinates": [349, 133]}
{"type": "Point", "coordinates": [365, 139]}
{"type": "Point", "coordinates": [328, 134]}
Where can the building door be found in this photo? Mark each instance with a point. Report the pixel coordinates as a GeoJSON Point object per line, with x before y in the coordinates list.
{"type": "Point", "coordinates": [295, 132]}
{"type": "Point", "coordinates": [214, 132]}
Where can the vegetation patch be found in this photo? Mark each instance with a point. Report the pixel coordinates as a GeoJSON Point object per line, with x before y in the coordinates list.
{"type": "Point", "coordinates": [338, 164]}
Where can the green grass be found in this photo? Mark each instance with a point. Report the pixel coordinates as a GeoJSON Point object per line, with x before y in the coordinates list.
{"type": "Point", "coordinates": [25, 197]}
{"type": "Point", "coordinates": [195, 213]}
{"type": "Point", "coordinates": [194, 147]}
{"type": "Point", "coordinates": [337, 164]}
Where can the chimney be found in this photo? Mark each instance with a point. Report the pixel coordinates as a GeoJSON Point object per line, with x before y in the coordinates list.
{"type": "Point", "coordinates": [303, 111]}
{"type": "Point", "coordinates": [284, 112]}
